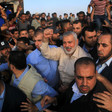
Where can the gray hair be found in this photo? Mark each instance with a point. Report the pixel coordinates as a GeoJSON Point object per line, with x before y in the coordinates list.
{"type": "Point", "coordinates": [70, 33]}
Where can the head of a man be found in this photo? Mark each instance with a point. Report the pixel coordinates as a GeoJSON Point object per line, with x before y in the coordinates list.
{"type": "Point", "coordinates": [104, 47]}
{"type": "Point", "coordinates": [65, 15]}
{"type": "Point", "coordinates": [85, 74]}
{"type": "Point", "coordinates": [65, 25]}
{"type": "Point", "coordinates": [21, 42]}
{"type": "Point", "coordinates": [81, 15]}
{"type": "Point", "coordinates": [31, 32]}
{"type": "Point", "coordinates": [38, 39]}
{"type": "Point", "coordinates": [23, 17]}
{"type": "Point", "coordinates": [43, 15]}
{"type": "Point", "coordinates": [89, 36]}
{"type": "Point", "coordinates": [77, 27]}
{"type": "Point", "coordinates": [23, 33]}
{"type": "Point", "coordinates": [17, 61]}
{"type": "Point", "coordinates": [54, 15]}
{"type": "Point", "coordinates": [70, 42]}
{"type": "Point", "coordinates": [16, 33]}
{"type": "Point", "coordinates": [4, 48]}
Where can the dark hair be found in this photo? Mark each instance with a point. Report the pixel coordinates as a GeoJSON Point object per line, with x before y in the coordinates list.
{"type": "Point", "coordinates": [24, 39]}
{"type": "Point", "coordinates": [77, 21]}
{"type": "Point", "coordinates": [22, 14]}
{"type": "Point", "coordinates": [12, 16]}
{"type": "Point", "coordinates": [81, 12]}
{"type": "Point", "coordinates": [31, 28]}
{"type": "Point", "coordinates": [22, 30]}
{"type": "Point", "coordinates": [43, 19]}
{"type": "Point", "coordinates": [88, 28]}
{"type": "Point", "coordinates": [14, 31]}
{"type": "Point", "coordinates": [107, 33]}
{"type": "Point", "coordinates": [18, 59]}
{"type": "Point", "coordinates": [84, 60]}
{"type": "Point", "coordinates": [64, 22]}
{"type": "Point", "coordinates": [65, 14]}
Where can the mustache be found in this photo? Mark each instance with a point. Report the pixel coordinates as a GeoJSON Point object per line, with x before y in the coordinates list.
{"type": "Point", "coordinates": [84, 86]}
{"type": "Point", "coordinates": [99, 52]}
{"type": "Point", "coordinates": [67, 47]}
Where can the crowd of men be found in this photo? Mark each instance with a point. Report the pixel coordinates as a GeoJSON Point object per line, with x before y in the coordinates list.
{"type": "Point", "coordinates": [55, 64]}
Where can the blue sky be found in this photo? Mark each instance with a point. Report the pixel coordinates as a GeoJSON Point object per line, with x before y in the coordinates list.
{"type": "Point", "coordinates": [59, 6]}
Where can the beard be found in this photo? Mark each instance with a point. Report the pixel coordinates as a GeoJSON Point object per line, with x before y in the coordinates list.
{"type": "Point", "coordinates": [90, 45]}
{"type": "Point", "coordinates": [71, 51]}
{"type": "Point", "coordinates": [104, 59]}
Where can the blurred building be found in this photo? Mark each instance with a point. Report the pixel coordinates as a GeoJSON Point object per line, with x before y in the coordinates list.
{"type": "Point", "coordinates": [13, 4]}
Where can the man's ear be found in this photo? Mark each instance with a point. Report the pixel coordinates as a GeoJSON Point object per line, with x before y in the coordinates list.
{"type": "Point", "coordinates": [12, 67]}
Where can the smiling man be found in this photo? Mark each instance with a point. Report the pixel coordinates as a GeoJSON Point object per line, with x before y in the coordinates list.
{"type": "Point", "coordinates": [66, 55]}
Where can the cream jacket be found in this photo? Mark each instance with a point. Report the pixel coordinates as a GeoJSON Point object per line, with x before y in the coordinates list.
{"type": "Point", "coordinates": [66, 62]}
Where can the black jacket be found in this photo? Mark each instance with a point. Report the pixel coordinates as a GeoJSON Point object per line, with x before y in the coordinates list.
{"type": "Point", "coordinates": [13, 99]}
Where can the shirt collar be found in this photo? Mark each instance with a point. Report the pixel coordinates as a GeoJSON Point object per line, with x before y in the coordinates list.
{"type": "Point", "coordinates": [107, 62]}
{"type": "Point", "coordinates": [22, 75]}
{"type": "Point", "coordinates": [86, 50]}
{"type": "Point", "coordinates": [76, 90]}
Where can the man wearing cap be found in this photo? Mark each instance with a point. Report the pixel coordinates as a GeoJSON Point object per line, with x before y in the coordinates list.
{"type": "Point", "coordinates": [36, 21]}
{"type": "Point", "coordinates": [4, 51]}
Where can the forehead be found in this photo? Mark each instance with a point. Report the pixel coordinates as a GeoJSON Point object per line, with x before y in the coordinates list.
{"type": "Point", "coordinates": [20, 41]}
{"type": "Point", "coordinates": [88, 33]}
{"type": "Point", "coordinates": [77, 25]}
{"type": "Point", "coordinates": [31, 30]}
{"type": "Point", "coordinates": [38, 37]}
{"type": "Point", "coordinates": [68, 38]}
{"type": "Point", "coordinates": [105, 39]}
{"type": "Point", "coordinates": [23, 15]}
{"type": "Point", "coordinates": [85, 70]}
{"type": "Point", "coordinates": [16, 32]}
{"type": "Point", "coordinates": [23, 32]}
{"type": "Point", "coordinates": [81, 14]}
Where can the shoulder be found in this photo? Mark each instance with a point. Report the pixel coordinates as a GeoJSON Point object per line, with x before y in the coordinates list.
{"type": "Point", "coordinates": [82, 52]}
{"type": "Point", "coordinates": [99, 87]}
{"type": "Point", "coordinates": [15, 92]}
{"type": "Point", "coordinates": [51, 46]}
{"type": "Point", "coordinates": [33, 56]}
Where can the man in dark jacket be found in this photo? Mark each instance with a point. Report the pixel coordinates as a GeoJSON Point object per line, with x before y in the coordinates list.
{"type": "Point", "coordinates": [10, 98]}
{"type": "Point", "coordinates": [79, 96]}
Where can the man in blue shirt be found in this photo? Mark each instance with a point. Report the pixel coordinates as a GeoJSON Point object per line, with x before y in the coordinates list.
{"type": "Point", "coordinates": [47, 68]}
{"type": "Point", "coordinates": [28, 80]}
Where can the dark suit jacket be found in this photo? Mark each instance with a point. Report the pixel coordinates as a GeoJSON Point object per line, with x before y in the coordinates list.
{"type": "Point", "coordinates": [13, 99]}
{"type": "Point", "coordinates": [107, 72]}
{"type": "Point", "coordinates": [92, 52]}
{"type": "Point", "coordinates": [83, 104]}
